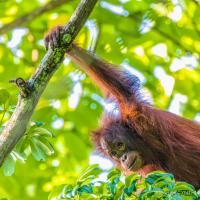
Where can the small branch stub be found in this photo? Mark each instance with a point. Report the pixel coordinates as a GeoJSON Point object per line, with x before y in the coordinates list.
{"type": "Point", "coordinates": [22, 85]}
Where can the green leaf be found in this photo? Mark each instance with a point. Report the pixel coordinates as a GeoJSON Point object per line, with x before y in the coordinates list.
{"type": "Point", "coordinates": [131, 188]}
{"type": "Point", "coordinates": [150, 193]}
{"type": "Point", "coordinates": [22, 144]}
{"type": "Point", "coordinates": [112, 186]}
{"type": "Point", "coordinates": [86, 189]}
{"type": "Point", "coordinates": [45, 145]}
{"type": "Point", "coordinates": [55, 193]}
{"type": "Point", "coordinates": [42, 131]}
{"type": "Point", "coordinates": [9, 166]}
{"type": "Point", "coordinates": [36, 150]}
{"type": "Point", "coordinates": [18, 156]}
{"type": "Point", "coordinates": [185, 190]}
{"type": "Point", "coordinates": [67, 191]}
{"type": "Point", "coordinates": [183, 186]}
{"type": "Point", "coordinates": [133, 177]}
{"type": "Point", "coordinates": [90, 173]}
{"type": "Point", "coordinates": [157, 176]}
{"type": "Point", "coordinates": [74, 192]}
{"type": "Point", "coordinates": [113, 173]}
{"type": "Point", "coordinates": [177, 197]}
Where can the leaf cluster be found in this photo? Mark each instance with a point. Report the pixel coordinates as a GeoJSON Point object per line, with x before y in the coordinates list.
{"type": "Point", "coordinates": [156, 185]}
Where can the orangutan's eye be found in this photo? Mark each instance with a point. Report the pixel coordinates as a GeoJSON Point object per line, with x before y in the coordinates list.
{"type": "Point", "coordinates": [114, 153]}
{"type": "Point", "coordinates": [120, 146]}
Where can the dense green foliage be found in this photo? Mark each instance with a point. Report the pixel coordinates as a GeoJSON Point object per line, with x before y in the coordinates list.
{"type": "Point", "coordinates": [157, 185]}
{"type": "Point", "coordinates": [159, 39]}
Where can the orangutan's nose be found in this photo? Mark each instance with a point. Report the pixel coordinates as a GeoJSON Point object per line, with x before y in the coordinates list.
{"type": "Point", "coordinates": [124, 157]}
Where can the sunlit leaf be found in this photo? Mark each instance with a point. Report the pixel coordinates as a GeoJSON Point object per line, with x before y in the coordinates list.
{"type": "Point", "coordinates": [37, 152]}
{"type": "Point", "coordinates": [9, 166]}
{"type": "Point", "coordinates": [43, 132]}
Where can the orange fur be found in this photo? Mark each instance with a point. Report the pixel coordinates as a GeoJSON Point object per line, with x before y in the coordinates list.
{"type": "Point", "coordinates": [172, 137]}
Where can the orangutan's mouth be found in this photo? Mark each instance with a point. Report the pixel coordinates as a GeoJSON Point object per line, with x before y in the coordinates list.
{"type": "Point", "coordinates": [132, 164]}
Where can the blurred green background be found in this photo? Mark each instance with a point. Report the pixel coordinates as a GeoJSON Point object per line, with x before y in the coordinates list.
{"type": "Point", "coordinates": [159, 41]}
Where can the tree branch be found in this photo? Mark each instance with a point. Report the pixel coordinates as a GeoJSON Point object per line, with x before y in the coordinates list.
{"type": "Point", "coordinates": [16, 126]}
{"type": "Point", "coordinates": [30, 16]}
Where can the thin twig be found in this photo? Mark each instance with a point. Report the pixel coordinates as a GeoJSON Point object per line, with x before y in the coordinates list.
{"type": "Point", "coordinates": [22, 85]}
{"type": "Point", "coordinates": [32, 15]}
